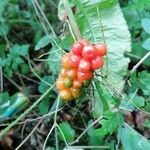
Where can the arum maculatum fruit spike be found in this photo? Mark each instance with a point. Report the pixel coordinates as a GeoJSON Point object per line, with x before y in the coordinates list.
{"type": "Point", "coordinates": [78, 67]}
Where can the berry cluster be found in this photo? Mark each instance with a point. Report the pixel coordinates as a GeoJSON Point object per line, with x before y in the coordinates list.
{"type": "Point", "coordinates": [78, 67]}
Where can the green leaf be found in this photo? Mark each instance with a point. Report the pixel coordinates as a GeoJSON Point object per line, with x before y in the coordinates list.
{"type": "Point", "coordinates": [132, 140]}
{"type": "Point", "coordinates": [100, 104]}
{"type": "Point", "coordinates": [144, 80]}
{"type": "Point", "coordinates": [44, 106]}
{"type": "Point", "coordinates": [68, 132]}
{"type": "Point", "coordinates": [117, 36]}
{"type": "Point", "coordinates": [146, 44]}
{"type": "Point", "coordinates": [43, 42]}
{"type": "Point", "coordinates": [146, 25]}
{"type": "Point", "coordinates": [110, 123]}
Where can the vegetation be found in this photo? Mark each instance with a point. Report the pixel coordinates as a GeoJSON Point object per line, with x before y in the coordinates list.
{"type": "Point", "coordinates": [112, 112]}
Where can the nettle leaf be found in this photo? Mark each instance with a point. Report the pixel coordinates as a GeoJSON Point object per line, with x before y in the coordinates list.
{"type": "Point", "coordinates": [146, 44]}
{"type": "Point", "coordinates": [146, 25]}
{"type": "Point", "coordinates": [68, 132]}
{"type": "Point", "coordinates": [132, 140]}
{"type": "Point", "coordinates": [89, 16]}
{"type": "Point", "coordinates": [110, 123]}
{"type": "Point", "coordinates": [43, 42]}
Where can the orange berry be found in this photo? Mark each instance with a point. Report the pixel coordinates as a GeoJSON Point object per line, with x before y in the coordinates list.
{"type": "Point", "coordinates": [60, 84]}
{"type": "Point", "coordinates": [71, 73]}
{"type": "Point", "coordinates": [77, 83]}
{"type": "Point", "coordinates": [66, 61]}
{"type": "Point", "coordinates": [76, 92]}
{"type": "Point", "coordinates": [66, 94]}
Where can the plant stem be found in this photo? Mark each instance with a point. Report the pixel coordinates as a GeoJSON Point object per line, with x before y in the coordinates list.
{"type": "Point", "coordinates": [139, 63]}
{"type": "Point", "coordinates": [72, 19]}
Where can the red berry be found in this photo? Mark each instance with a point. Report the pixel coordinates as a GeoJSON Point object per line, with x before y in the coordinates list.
{"type": "Point", "coordinates": [77, 48]}
{"type": "Point", "coordinates": [74, 60]}
{"type": "Point", "coordinates": [97, 63]}
{"type": "Point", "coordinates": [89, 52]}
{"type": "Point", "coordinates": [84, 65]}
{"type": "Point", "coordinates": [101, 49]}
{"type": "Point", "coordinates": [84, 76]}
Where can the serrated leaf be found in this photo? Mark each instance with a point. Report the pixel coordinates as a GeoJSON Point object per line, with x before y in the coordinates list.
{"type": "Point", "coordinates": [115, 30]}
{"type": "Point", "coordinates": [68, 132]}
{"type": "Point", "coordinates": [132, 140]}
{"type": "Point", "coordinates": [146, 25]}
{"type": "Point", "coordinates": [111, 121]}
{"type": "Point", "coordinates": [43, 42]}
{"type": "Point", "coordinates": [146, 44]}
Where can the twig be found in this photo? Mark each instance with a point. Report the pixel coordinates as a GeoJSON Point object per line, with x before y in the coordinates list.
{"type": "Point", "coordinates": [14, 83]}
{"type": "Point", "coordinates": [72, 19]}
{"type": "Point", "coordinates": [42, 23]}
{"type": "Point", "coordinates": [139, 63]}
{"type": "Point", "coordinates": [50, 26]}
{"type": "Point", "coordinates": [88, 147]}
{"type": "Point", "coordinates": [77, 140]}
{"type": "Point", "coordinates": [18, 147]}
{"type": "Point", "coordinates": [54, 125]}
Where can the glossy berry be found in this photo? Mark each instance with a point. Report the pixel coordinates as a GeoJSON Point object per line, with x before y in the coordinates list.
{"type": "Point", "coordinates": [77, 83]}
{"type": "Point", "coordinates": [76, 92]}
{"type": "Point", "coordinates": [66, 94]}
{"type": "Point", "coordinates": [74, 60]}
{"type": "Point", "coordinates": [101, 49]}
{"type": "Point", "coordinates": [77, 48]}
{"type": "Point", "coordinates": [84, 76]}
{"type": "Point", "coordinates": [71, 73]}
{"type": "Point", "coordinates": [66, 61]}
{"type": "Point", "coordinates": [60, 84]}
{"type": "Point", "coordinates": [97, 63]}
{"type": "Point", "coordinates": [89, 52]}
{"type": "Point", "coordinates": [84, 65]}
{"type": "Point", "coordinates": [67, 82]}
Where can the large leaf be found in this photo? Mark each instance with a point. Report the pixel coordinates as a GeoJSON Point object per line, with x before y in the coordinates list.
{"type": "Point", "coordinates": [89, 14]}
{"type": "Point", "coordinates": [132, 140]}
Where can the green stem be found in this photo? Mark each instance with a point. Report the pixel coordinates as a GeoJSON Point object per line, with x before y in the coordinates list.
{"type": "Point", "coordinates": [72, 19]}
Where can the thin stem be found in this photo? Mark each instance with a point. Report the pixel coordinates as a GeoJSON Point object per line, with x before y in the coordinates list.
{"type": "Point", "coordinates": [48, 136]}
{"type": "Point", "coordinates": [72, 19]}
{"type": "Point", "coordinates": [88, 147]}
{"type": "Point", "coordinates": [139, 63]}
{"type": "Point", "coordinates": [71, 31]}
{"type": "Point", "coordinates": [50, 26]}
{"type": "Point", "coordinates": [33, 130]}
{"type": "Point", "coordinates": [36, 73]}
{"type": "Point", "coordinates": [43, 25]}
{"type": "Point", "coordinates": [13, 82]}
{"type": "Point", "coordinates": [79, 137]}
